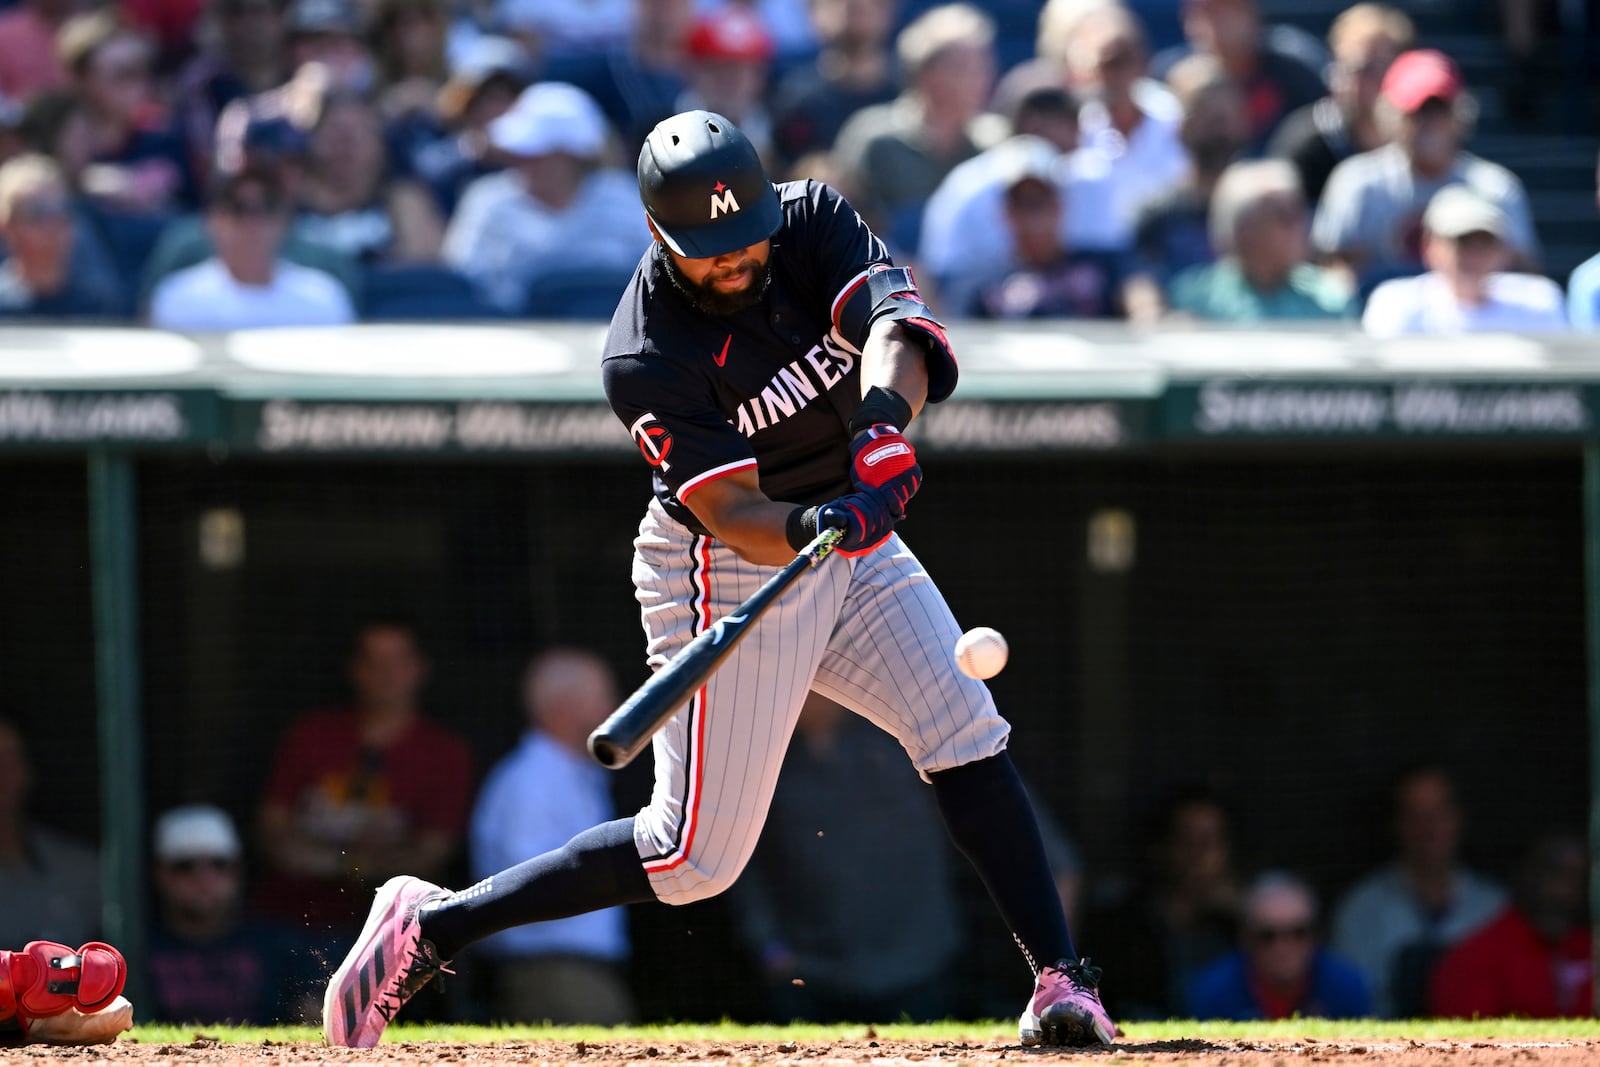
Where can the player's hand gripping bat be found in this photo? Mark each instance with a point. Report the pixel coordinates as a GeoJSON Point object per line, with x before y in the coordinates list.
{"type": "Point", "coordinates": [628, 729]}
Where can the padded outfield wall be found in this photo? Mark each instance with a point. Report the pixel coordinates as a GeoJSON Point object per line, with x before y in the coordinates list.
{"type": "Point", "coordinates": [1280, 564]}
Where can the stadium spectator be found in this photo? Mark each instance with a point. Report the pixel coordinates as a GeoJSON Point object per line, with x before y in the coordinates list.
{"type": "Point", "coordinates": [1047, 278]}
{"type": "Point", "coordinates": [1279, 970]}
{"type": "Point", "coordinates": [172, 26]}
{"type": "Point", "coordinates": [1394, 923]}
{"type": "Point", "coordinates": [1369, 218]}
{"type": "Point", "coordinates": [331, 33]}
{"type": "Point", "coordinates": [1534, 960]}
{"type": "Point", "coordinates": [408, 42]}
{"type": "Point", "coordinates": [360, 793]}
{"type": "Point", "coordinates": [1467, 288]}
{"type": "Point", "coordinates": [28, 60]}
{"type": "Point", "coordinates": [556, 208]}
{"type": "Point", "coordinates": [138, 165]}
{"type": "Point", "coordinates": [207, 962]}
{"type": "Point", "coordinates": [1129, 130]}
{"type": "Point", "coordinates": [448, 148]}
{"type": "Point", "coordinates": [636, 80]}
{"type": "Point", "coordinates": [730, 56]}
{"type": "Point", "coordinates": [43, 274]}
{"type": "Point", "coordinates": [1258, 227]}
{"type": "Point", "coordinates": [571, 970]}
{"type": "Point", "coordinates": [583, 28]}
{"type": "Point", "coordinates": [850, 919]}
{"type": "Point", "coordinates": [241, 53]}
{"type": "Point", "coordinates": [247, 283]}
{"type": "Point", "coordinates": [788, 21]}
{"type": "Point", "coordinates": [965, 240]}
{"type": "Point", "coordinates": [1364, 40]}
{"type": "Point", "coordinates": [897, 153]}
{"type": "Point", "coordinates": [49, 883]}
{"type": "Point", "coordinates": [853, 70]}
{"type": "Point", "coordinates": [268, 134]}
{"type": "Point", "coordinates": [1181, 918]}
{"type": "Point", "coordinates": [1172, 233]}
{"type": "Point", "coordinates": [1278, 68]}
{"type": "Point", "coordinates": [1583, 287]}
{"type": "Point", "coordinates": [349, 202]}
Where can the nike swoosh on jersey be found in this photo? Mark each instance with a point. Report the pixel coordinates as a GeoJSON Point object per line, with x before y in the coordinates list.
{"type": "Point", "coordinates": [722, 357]}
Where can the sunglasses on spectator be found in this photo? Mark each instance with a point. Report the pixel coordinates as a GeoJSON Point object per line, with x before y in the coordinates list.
{"type": "Point", "coordinates": [1266, 935]}
{"type": "Point", "coordinates": [214, 864]}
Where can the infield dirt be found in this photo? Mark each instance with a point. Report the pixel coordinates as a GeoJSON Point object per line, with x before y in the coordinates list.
{"type": "Point", "coordinates": [203, 1052]}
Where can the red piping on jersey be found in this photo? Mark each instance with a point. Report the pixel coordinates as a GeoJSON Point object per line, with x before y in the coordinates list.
{"type": "Point", "coordinates": [697, 724]}
{"type": "Point", "coordinates": [710, 476]}
{"type": "Point", "coordinates": [846, 293]}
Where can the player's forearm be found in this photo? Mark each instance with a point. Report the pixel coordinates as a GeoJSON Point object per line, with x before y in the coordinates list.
{"type": "Point", "coordinates": [757, 530]}
{"type": "Point", "coordinates": [893, 358]}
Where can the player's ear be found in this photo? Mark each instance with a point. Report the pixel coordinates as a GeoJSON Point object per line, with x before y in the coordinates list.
{"type": "Point", "coordinates": [648, 221]}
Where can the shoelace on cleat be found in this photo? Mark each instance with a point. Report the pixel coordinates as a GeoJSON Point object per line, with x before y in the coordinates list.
{"type": "Point", "coordinates": [420, 969]}
{"type": "Point", "coordinates": [1082, 974]}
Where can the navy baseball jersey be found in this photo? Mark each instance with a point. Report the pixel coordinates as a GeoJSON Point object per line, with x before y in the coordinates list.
{"type": "Point", "coordinates": [771, 387]}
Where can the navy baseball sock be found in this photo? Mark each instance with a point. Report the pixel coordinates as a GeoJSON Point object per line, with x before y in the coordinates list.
{"type": "Point", "coordinates": [597, 869]}
{"type": "Point", "coordinates": [991, 821]}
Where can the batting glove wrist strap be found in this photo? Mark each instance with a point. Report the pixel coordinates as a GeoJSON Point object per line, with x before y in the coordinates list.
{"type": "Point", "coordinates": [802, 527]}
{"type": "Point", "coordinates": [867, 519]}
{"type": "Point", "coordinates": [881, 405]}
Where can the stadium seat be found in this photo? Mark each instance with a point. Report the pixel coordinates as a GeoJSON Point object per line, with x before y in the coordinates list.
{"type": "Point", "coordinates": [579, 294]}
{"type": "Point", "coordinates": [416, 292]}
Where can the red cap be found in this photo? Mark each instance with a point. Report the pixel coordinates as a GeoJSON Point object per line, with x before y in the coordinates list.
{"type": "Point", "coordinates": [732, 33]}
{"type": "Point", "coordinates": [1416, 77]}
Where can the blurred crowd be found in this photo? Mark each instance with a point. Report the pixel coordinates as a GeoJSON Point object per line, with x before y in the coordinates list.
{"type": "Point", "coordinates": [215, 164]}
{"type": "Point", "coordinates": [839, 918]}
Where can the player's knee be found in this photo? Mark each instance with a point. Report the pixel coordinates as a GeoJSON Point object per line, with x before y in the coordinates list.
{"type": "Point", "coordinates": [692, 881]}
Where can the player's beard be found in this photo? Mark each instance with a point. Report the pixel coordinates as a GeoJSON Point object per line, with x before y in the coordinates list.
{"type": "Point", "coordinates": [715, 301]}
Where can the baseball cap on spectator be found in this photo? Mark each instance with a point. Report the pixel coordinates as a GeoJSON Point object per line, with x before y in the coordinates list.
{"type": "Point", "coordinates": [1421, 75]}
{"type": "Point", "coordinates": [731, 34]}
{"type": "Point", "coordinates": [1026, 158]}
{"type": "Point", "coordinates": [256, 131]}
{"type": "Point", "coordinates": [195, 831]}
{"type": "Point", "coordinates": [486, 58]}
{"type": "Point", "coordinates": [1456, 211]}
{"type": "Point", "coordinates": [551, 117]}
{"type": "Point", "coordinates": [310, 18]}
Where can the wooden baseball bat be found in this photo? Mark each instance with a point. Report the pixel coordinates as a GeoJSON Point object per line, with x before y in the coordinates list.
{"type": "Point", "coordinates": [627, 730]}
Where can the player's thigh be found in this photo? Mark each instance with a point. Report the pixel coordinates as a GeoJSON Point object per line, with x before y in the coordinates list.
{"type": "Point", "coordinates": [717, 760]}
{"type": "Point", "coordinates": [890, 660]}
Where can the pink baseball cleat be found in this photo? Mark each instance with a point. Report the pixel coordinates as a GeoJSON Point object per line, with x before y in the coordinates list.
{"type": "Point", "coordinates": [389, 963]}
{"type": "Point", "coordinates": [1065, 1008]}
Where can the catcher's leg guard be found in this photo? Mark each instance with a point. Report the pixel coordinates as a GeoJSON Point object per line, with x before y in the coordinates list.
{"type": "Point", "coordinates": [46, 979]}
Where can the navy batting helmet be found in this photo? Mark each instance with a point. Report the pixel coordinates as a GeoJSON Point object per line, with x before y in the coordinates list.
{"type": "Point", "coordinates": [703, 186]}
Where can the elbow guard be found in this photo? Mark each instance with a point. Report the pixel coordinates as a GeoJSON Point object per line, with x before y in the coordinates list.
{"type": "Point", "coordinates": [885, 292]}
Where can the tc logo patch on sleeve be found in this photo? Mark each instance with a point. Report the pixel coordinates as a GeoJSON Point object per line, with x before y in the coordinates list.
{"type": "Point", "coordinates": [653, 439]}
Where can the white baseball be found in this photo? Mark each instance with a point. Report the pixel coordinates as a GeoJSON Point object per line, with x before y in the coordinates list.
{"type": "Point", "coordinates": [981, 652]}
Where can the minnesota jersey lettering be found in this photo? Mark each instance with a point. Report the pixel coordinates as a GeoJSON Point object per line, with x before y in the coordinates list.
{"type": "Point", "coordinates": [793, 387]}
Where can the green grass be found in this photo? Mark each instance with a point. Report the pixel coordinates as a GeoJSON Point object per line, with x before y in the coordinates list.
{"type": "Point", "coordinates": [1315, 1029]}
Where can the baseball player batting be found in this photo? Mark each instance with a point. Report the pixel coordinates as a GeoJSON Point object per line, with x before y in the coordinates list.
{"type": "Point", "coordinates": [765, 358]}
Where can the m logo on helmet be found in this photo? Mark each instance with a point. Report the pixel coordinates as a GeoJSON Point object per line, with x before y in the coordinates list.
{"type": "Point", "coordinates": [722, 201]}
